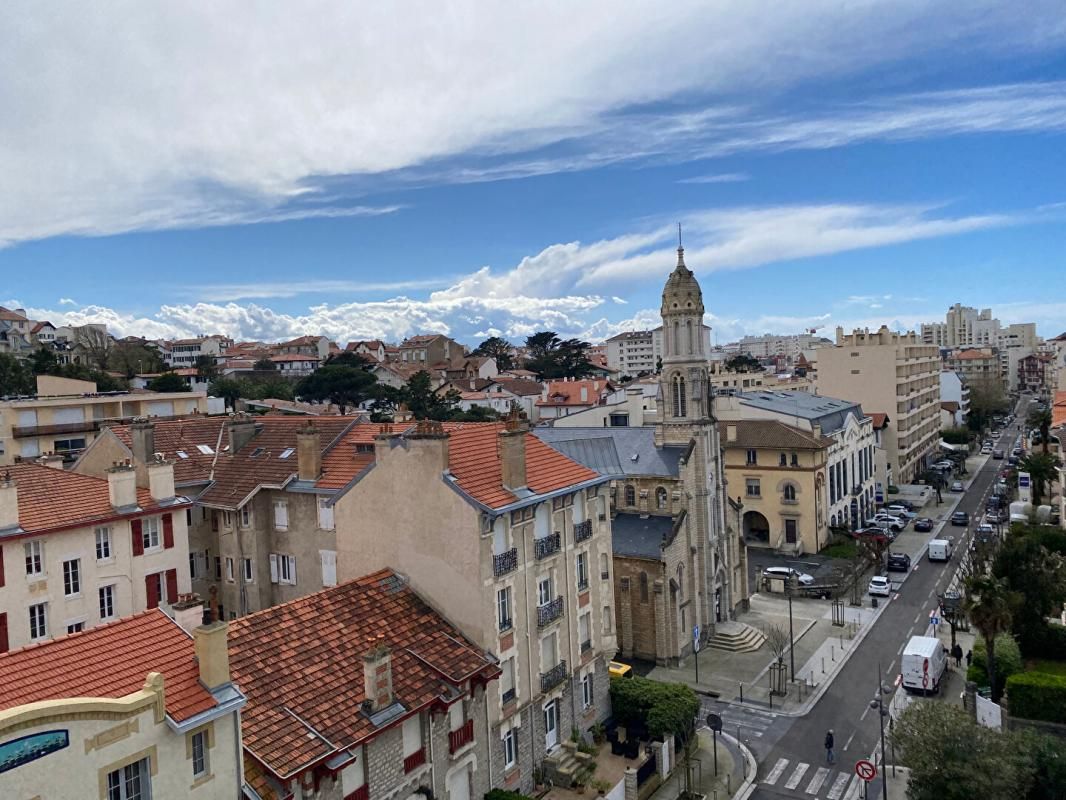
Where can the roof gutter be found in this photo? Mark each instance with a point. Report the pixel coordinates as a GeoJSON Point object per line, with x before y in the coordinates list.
{"type": "Point", "coordinates": [452, 482]}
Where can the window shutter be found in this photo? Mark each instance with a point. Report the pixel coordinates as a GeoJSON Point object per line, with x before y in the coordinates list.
{"type": "Point", "coordinates": [138, 541]}
{"type": "Point", "coordinates": [168, 530]}
{"type": "Point", "coordinates": [3, 633]}
{"type": "Point", "coordinates": [172, 586]}
{"type": "Point", "coordinates": [292, 568]}
{"type": "Point", "coordinates": [151, 588]}
{"type": "Point", "coordinates": [1, 565]}
{"type": "Point", "coordinates": [273, 568]}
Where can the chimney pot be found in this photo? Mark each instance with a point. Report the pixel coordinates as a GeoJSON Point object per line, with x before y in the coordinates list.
{"type": "Point", "coordinates": [9, 503]}
{"type": "Point", "coordinates": [160, 479]}
{"type": "Point", "coordinates": [212, 654]}
{"type": "Point", "coordinates": [309, 454]}
{"type": "Point", "coordinates": [513, 454]}
{"type": "Point", "coordinates": [142, 433]}
{"type": "Point", "coordinates": [241, 431]}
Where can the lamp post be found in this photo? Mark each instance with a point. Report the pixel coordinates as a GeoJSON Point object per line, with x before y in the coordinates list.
{"type": "Point", "coordinates": [879, 703]}
{"type": "Point", "coordinates": [791, 638]}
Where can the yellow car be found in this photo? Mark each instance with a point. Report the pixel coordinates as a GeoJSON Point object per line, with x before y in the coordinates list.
{"type": "Point", "coordinates": [619, 670]}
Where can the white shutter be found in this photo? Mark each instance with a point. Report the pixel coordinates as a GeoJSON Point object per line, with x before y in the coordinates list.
{"type": "Point", "coordinates": [27, 419]}
{"type": "Point", "coordinates": [292, 568]}
{"type": "Point", "coordinates": [281, 515]}
{"type": "Point", "coordinates": [325, 514]}
{"type": "Point", "coordinates": [329, 567]}
{"type": "Point", "coordinates": [273, 568]}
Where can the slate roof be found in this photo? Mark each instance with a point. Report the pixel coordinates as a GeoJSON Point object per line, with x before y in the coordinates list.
{"type": "Point", "coordinates": [770, 433]}
{"type": "Point", "coordinates": [610, 451]}
{"type": "Point", "coordinates": [639, 538]}
{"type": "Point", "coordinates": [300, 664]}
{"type": "Point", "coordinates": [520, 386]}
{"type": "Point", "coordinates": [828, 412]}
{"type": "Point", "coordinates": [86, 665]}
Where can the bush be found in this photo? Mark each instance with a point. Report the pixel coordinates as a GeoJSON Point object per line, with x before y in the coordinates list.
{"type": "Point", "coordinates": [503, 794]}
{"type": "Point", "coordinates": [1008, 661]}
{"type": "Point", "coordinates": [893, 489]}
{"type": "Point", "coordinates": [667, 709]}
{"type": "Point", "coordinates": [1036, 695]}
{"type": "Point", "coordinates": [1052, 644]}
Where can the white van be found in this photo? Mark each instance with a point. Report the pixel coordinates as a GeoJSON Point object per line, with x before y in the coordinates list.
{"type": "Point", "coordinates": [939, 550]}
{"type": "Point", "coordinates": [924, 662]}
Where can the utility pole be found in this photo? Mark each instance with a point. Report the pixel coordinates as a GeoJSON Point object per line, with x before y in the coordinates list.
{"type": "Point", "coordinates": [879, 703]}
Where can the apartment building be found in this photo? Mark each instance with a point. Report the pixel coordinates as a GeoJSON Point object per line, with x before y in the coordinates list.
{"type": "Point", "coordinates": [136, 708]}
{"type": "Point", "coordinates": [955, 389]}
{"type": "Point", "coordinates": [569, 396]}
{"type": "Point", "coordinates": [316, 347]}
{"type": "Point", "coordinates": [66, 416]}
{"type": "Point", "coordinates": [507, 541]}
{"type": "Point", "coordinates": [769, 345]}
{"type": "Point", "coordinates": [365, 692]}
{"type": "Point", "coordinates": [890, 373]}
{"type": "Point", "coordinates": [184, 352]}
{"type": "Point", "coordinates": [963, 326]}
{"type": "Point", "coordinates": [370, 349]}
{"type": "Point", "coordinates": [634, 352]}
{"type": "Point", "coordinates": [430, 349]}
{"type": "Point", "coordinates": [975, 367]}
{"type": "Point", "coordinates": [77, 551]}
{"type": "Point", "coordinates": [1036, 373]}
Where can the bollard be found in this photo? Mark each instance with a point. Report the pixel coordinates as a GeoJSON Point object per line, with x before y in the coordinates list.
{"type": "Point", "coordinates": [742, 692]}
{"type": "Point", "coordinates": [833, 652]}
{"type": "Point", "coordinates": [823, 665]}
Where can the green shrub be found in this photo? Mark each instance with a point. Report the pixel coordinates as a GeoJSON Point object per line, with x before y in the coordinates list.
{"type": "Point", "coordinates": [893, 489]}
{"type": "Point", "coordinates": [667, 709]}
{"type": "Point", "coordinates": [1035, 695]}
{"type": "Point", "coordinates": [1008, 661]}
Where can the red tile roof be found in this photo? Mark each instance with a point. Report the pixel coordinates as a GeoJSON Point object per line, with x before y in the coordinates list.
{"type": "Point", "coordinates": [54, 499]}
{"type": "Point", "coordinates": [1058, 410]}
{"type": "Point", "coordinates": [183, 435]}
{"type": "Point", "coordinates": [294, 357]}
{"type": "Point", "coordinates": [879, 420]}
{"type": "Point", "coordinates": [972, 355]}
{"type": "Point", "coordinates": [300, 341]}
{"type": "Point", "coordinates": [568, 393]}
{"type": "Point", "coordinates": [303, 660]}
{"type": "Point", "coordinates": [352, 454]}
{"type": "Point", "coordinates": [88, 664]}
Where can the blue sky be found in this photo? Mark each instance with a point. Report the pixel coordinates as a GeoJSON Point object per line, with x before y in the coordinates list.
{"type": "Point", "coordinates": [270, 171]}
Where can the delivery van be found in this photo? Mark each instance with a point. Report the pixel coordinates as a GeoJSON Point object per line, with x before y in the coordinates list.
{"type": "Point", "coordinates": [924, 662]}
{"type": "Point", "coordinates": [939, 550]}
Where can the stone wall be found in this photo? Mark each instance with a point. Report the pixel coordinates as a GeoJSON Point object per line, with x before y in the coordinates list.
{"type": "Point", "coordinates": [636, 618]}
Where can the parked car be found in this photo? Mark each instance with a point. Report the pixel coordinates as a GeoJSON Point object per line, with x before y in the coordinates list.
{"type": "Point", "coordinates": [997, 455]}
{"type": "Point", "coordinates": [898, 562]}
{"type": "Point", "coordinates": [897, 510]}
{"type": "Point", "coordinates": [787, 572]}
{"type": "Point", "coordinates": [960, 518]}
{"type": "Point", "coordinates": [923, 524]}
{"type": "Point", "coordinates": [887, 521]}
{"type": "Point", "coordinates": [944, 464]}
{"type": "Point", "coordinates": [880, 586]}
{"type": "Point", "coordinates": [1013, 461]}
{"type": "Point", "coordinates": [957, 487]}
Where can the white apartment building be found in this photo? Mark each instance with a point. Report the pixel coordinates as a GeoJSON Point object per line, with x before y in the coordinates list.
{"type": "Point", "coordinates": [963, 326]}
{"type": "Point", "coordinates": [953, 389]}
{"type": "Point", "coordinates": [770, 345]}
{"type": "Point", "coordinates": [77, 551]}
{"type": "Point", "coordinates": [633, 352]}
{"type": "Point", "coordinates": [184, 352]}
{"type": "Point", "coordinates": [890, 373]}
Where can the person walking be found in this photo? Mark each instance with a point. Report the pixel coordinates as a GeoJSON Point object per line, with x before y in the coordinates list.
{"type": "Point", "coordinates": [956, 653]}
{"type": "Point", "coordinates": [830, 756]}
{"type": "Point", "coordinates": [969, 658]}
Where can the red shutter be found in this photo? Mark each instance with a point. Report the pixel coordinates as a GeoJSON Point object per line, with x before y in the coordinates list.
{"type": "Point", "coordinates": [1, 565]}
{"type": "Point", "coordinates": [151, 588]}
{"type": "Point", "coordinates": [3, 633]}
{"type": "Point", "coordinates": [172, 586]}
{"type": "Point", "coordinates": [168, 530]}
{"type": "Point", "coordinates": [138, 541]}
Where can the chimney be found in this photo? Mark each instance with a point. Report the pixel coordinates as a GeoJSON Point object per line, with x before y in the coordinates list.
{"type": "Point", "coordinates": [377, 678]}
{"type": "Point", "coordinates": [53, 460]}
{"type": "Point", "coordinates": [308, 453]}
{"type": "Point", "coordinates": [122, 486]}
{"type": "Point", "coordinates": [142, 432]}
{"type": "Point", "coordinates": [189, 613]}
{"type": "Point", "coordinates": [816, 430]}
{"type": "Point", "coordinates": [241, 430]}
{"type": "Point", "coordinates": [160, 479]}
{"type": "Point", "coordinates": [513, 453]}
{"type": "Point", "coordinates": [430, 441]}
{"type": "Point", "coordinates": [9, 503]}
{"type": "Point", "coordinates": [730, 433]}
{"type": "Point", "coordinates": [212, 654]}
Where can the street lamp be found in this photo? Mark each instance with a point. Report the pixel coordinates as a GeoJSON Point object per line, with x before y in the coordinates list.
{"type": "Point", "coordinates": [879, 703]}
{"type": "Point", "coordinates": [791, 638]}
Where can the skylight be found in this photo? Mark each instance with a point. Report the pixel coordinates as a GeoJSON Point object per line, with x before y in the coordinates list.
{"type": "Point", "coordinates": [258, 451]}
{"type": "Point", "coordinates": [182, 454]}
{"type": "Point", "coordinates": [288, 451]}
{"type": "Point", "coordinates": [205, 449]}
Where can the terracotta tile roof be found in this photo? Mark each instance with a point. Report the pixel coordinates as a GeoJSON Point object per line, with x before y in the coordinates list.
{"type": "Point", "coordinates": [421, 339]}
{"type": "Point", "coordinates": [301, 341]}
{"type": "Point", "coordinates": [303, 660]}
{"type": "Point", "coordinates": [183, 435]}
{"type": "Point", "coordinates": [770, 433]}
{"type": "Point", "coordinates": [85, 665]}
{"type": "Point", "coordinates": [37, 328]}
{"type": "Point", "coordinates": [53, 499]}
{"type": "Point", "coordinates": [371, 344]}
{"type": "Point", "coordinates": [1058, 410]}
{"type": "Point", "coordinates": [256, 776]}
{"type": "Point", "coordinates": [349, 456]}
{"type": "Point", "coordinates": [972, 355]}
{"type": "Point", "coordinates": [293, 357]}
{"type": "Point", "coordinates": [568, 393]}
{"type": "Point", "coordinates": [519, 386]}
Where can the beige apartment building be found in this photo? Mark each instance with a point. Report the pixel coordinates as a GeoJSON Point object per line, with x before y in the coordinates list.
{"type": "Point", "coordinates": [894, 374]}
{"type": "Point", "coordinates": [77, 551]}
{"type": "Point", "coordinates": [66, 416]}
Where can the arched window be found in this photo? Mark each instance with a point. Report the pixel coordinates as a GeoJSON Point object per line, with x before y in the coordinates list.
{"type": "Point", "coordinates": [631, 496]}
{"type": "Point", "coordinates": [680, 401]}
{"type": "Point", "coordinates": [676, 349]}
{"type": "Point", "coordinates": [691, 338]}
{"type": "Point", "coordinates": [680, 581]}
{"type": "Point", "coordinates": [660, 498]}
{"type": "Point", "coordinates": [790, 491]}
{"type": "Point", "coordinates": [644, 587]}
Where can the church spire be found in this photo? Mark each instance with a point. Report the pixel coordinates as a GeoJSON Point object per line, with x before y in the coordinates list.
{"type": "Point", "coordinates": [680, 249]}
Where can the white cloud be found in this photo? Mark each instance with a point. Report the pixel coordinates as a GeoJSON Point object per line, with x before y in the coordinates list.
{"type": "Point", "coordinates": [67, 301]}
{"type": "Point", "coordinates": [222, 292]}
{"type": "Point", "coordinates": [725, 177]}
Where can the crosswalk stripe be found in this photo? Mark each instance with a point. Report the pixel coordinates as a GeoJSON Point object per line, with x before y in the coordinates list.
{"type": "Point", "coordinates": [854, 788]}
{"type": "Point", "coordinates": [775, 773]}
{"type": "Point", "coordinates": [797, 775]}
{"type": "Point", "coordinates": [837, 788]}
{"type": "Point", "coordinates": [817, 780]}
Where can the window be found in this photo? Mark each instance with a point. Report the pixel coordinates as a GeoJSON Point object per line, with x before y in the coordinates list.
{"type": "Point", "coordinates": [199, 754]}
{"type": "Point", "coordinates": [75, 627]}
{"type": "Point", "coordinates": [584, 631]}
{"type": "Point", "coordinates": [325, 514]}
{"type": "Point", "coordinates": [218, 568]}
{"type": "Point", "coordinates": [227, 519]}
{"type": "Point", "coordinates": [660, 498]}
{"type": "Point", "coordinates": [605, 572]}
{"type": "Point", "coordinates": [412, 735]}
{"type": "Point", "coordinates": [131, 782]}
{"type": "Point", "coordinates": [795, 460]}
{"type": "Point", "coordinates": [282, 569]}
{"type": "Point", "coordinates": [790, 531]}
{"type": "Point", "coordinates": [522, 515]}
{"type": "Point", "coordinates": [784, 460]}
{"type": "Point", "coordinates": [34, 559]}
{"type": "Point", "coordinates": [681, 583]}
{"type": "Point", "coordinates": [752, 487]}
{"type": "Point", "coordinates": [679, 397]}
{"type": "Point", "coordinates": [644, 587]}
{"type": "Point", "coordinates": [288, 451]}
{"type": "Point", "coordinates": [68, 445]}
{"type": "Point", "coordinates": [229, 568]}
{"type": "Point", "coordinates": [631, 496]}
{"type": "Point", "coordinates": [39, 621]}
{"type": "Point", "coordinates": [606, 619]}
{"type": "Point", "coordinates": [103, 544]}
{"type": "Point", "coordinates": [507, 685]}
{"type": "Point", "coordinates": [150, 532]}
{"type": "Point", "coordinates": [72, 577]}
{"type": "Point", "coordinates": [281, 515]}
{"type": "Point", "coordinates": [503, 608]}
{"type": "Point", "coordinates": [565, 501]}
{"type": "Point", "coordinates": [790, 492]}
{"type": "Point", "coordinates": [246, 570]}
{"type": "Point", "coordinates": [328, 558]}
{"type": "Point", "coordinates": [510, 748]}
{"type": "Point", "coordinates": [246, 516]}
{"type": "Point", "coordinates": [205, 449]}
{"type": "Point", "coordinates": [107, 602]}
{"type": "Point", "coordinates": [194, 562]}
{"type": "Point", "coordinates": [544, 590]}
{"type": "Point", "coordinates": [586, 690]}
{"type": "Point", "coordinates": [582, 563]}
{"type": "Point", "coordinates": [752, 457]}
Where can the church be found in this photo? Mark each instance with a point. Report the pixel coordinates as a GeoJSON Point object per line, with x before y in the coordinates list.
{"type": "Point", "coordinates": [678, 557]}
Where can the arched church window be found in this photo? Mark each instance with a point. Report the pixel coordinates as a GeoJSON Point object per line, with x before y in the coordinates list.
{"type": "Point", "coordinates": [631, 496]}
{"type": "Point", "coordinates": [644, 587]}
{"type": "Point", "coordinates": [790, 492]}
{"type": "Point", "coordinates": [660, 498]}
{"type": "Point", "coordinates": [679, 396]}
{"type": "Point", "coordinates": [691, 339]}
{"type": "Point", "coordinates": [680, 581]}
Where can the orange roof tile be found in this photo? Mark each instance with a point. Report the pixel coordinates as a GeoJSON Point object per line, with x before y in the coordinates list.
{"type": "Point", "coordinates": [303, 660]}
{"type": "Point", "coordinates": [85, 665]}
{"type": "Point", "coordinates": [349, 456]}
{"type": "Point", "coordinates": [1058, 410]}
{"type": "Point", "coordinates": [568, 393]}
{"type": "Point", "coordinates": [176, 436]}
{"type": "Point", "coordinates": [971, 355]}
{"type": "Point", "coordinates": [879, 420]}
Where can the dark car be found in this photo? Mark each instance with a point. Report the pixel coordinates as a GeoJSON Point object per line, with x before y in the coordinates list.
{"type": "Point", "coordinates": [923, 524]}
{"type": "Point", "coordinates": [997, 455]}
{"type": "Point", "coordinates": [960, 518]}
{"type": "Point", "coordinates": [898, 562]}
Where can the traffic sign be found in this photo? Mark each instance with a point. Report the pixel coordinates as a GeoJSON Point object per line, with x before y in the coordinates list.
{"type": "Point", "coordinates": [696, 638]}
{"type": "Point", "coordinates": [934, 620]}
{"type": "Point", "coordinates": [865, 770]}
{"type": "Point", "coordinates": [925, 681]}
{"type": "Point", "coordinates": [714, 722]}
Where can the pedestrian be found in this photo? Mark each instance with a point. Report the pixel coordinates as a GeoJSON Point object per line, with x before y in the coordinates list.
{"type": "Point", "coordinates": [956, 652]}
{"type": "Point", "coordinates": [969, 658]}
{"type": "Point", "coordinates": [830, 756]}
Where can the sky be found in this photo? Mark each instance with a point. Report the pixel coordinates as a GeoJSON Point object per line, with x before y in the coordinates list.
{"type": "Point", "coordinates": [266, 170]}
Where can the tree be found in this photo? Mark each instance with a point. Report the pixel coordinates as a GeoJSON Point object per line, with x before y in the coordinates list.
{"type": "Point", "coordinates": [44, 362]}
{"type": "Point", "coordinates": [475, 414]}
{"type": "Point", "coordinates": [205, 367]}
{"type": "Point", "coordinates": [1033, 564]}
{"type": "Point", "coordinates": [425, 403]}
{"type": "Point", "coordinates": [990, 604]}
{"type": "Point", "coordinates": [1042, 471]}
{"type": "Point", "coordinates": [987, 399]}
{"type": "Point", "coordinates": [1040, 419]}
{"type": "Point", "coordinates": [133, 358]}
{"type": "Point", "coordinates": [551, 357]}
{"type": "Point", "coordinates": [228, 389]}
{"type": "Point", "coordinates": [956, 435]}
{"type": "Point", "coordinates": [94, 343]}
{"type": "Point", "coordinates": [338, 383]}
{"type": "Point", "coordinates": [743, 363]}
{"type": "Point", "coordinates": [168, 382]}
{"type": "Point", "coordinates": [499, 349]}
{"type": "Point", "coordinates": [15, 378]}
{"type": "Point", "coordinates": [264, 365]}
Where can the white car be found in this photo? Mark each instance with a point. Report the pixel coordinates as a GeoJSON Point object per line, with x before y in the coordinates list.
{"type": "Point", "coordinates": [787, 572]}
{"type": "Point", "coordinates": [900, 512]}
{"type": "Point", "coordinates": [880, 586]}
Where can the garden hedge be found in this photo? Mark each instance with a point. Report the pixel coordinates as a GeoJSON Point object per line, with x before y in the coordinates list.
{"type": "Point", "coordinates": [1036, 695]}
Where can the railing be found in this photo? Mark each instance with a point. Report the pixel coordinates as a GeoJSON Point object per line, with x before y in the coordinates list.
{"type": "Point", "coordinates": [460, 738]}
{"type": "Point", "coordinates": [415, 760]}
{"type": "Point", "coordinates": [553, 677]}
{"type": "Point", "coordinates": [505, 562]}
{"type": "Point", "coordinates": [506, 624]}
{"type": "Point", "coordinates": [549, 612]}
{"type": "Point", "coordinates": [583, 531]}
{"type": "Point", "coordinates": [546, 546]}
{"type": "Point", "coordinates": [646, 770]}
{"type": "Point", "coordinates": [87, 425]}
{"type": "Point", "coordinates": [582, 584]}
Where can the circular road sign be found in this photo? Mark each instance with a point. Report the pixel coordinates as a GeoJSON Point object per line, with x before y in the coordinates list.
{"type": "Point", "coordinates": [865, 770]}
{"type": "Point", "coordinates": [714, 722]}
{"type": "Point", "coordinates": [925, 681]}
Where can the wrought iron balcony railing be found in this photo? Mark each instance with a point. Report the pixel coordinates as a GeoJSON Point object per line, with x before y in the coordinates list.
{"type": "Point", "coordinates": [549, 612]}
{"type": "Point", "coordinates": [547, 545]}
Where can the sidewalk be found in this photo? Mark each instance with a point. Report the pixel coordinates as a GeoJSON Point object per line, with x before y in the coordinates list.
{"type": "Point", "coordinates": [732, 766]}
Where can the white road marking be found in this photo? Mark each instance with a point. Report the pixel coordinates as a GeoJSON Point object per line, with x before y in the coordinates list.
{"type": "Point", "coordinates": [864, 713]}
{"type": "Point", "coordinates": [890, 664]}
{"type": "Point", "coordinates": [775, 773]}
{"type": "Point", "coordinates": [797, 775]}
{"type": "Point", "coordinates": [837, 788]}
{"type": "Point", "coordinates": [854, 788]}
{"type": "Point", "coordinates": [901, 648]}
{"type": "Point", "coordinates": [848, 742]}
{"type": "Point", "coordinates": [917, 617]}
{"type": "Point", "coordinates": [818, 780]}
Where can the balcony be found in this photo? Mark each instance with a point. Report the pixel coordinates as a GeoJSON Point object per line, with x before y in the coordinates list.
{"type": "Point", "coordinates": [414, 761]}
{"type": "Point", "coordinates": [50, 430]}
{"type": "Point", "coordinates": [460, 738]}
{"type": "Point", "coordinates": [505, 562]}
{"type": "Point", "coordinates": [549, 612]}
{"type": "Point", "coordinates": [548, 545]}
{"type": "Point", "coordinates": [582, 531]}
{"type": "Point", "coordinates": [553, 677]}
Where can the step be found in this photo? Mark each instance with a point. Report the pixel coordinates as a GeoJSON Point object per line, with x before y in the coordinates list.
{"type": "Point", "coordinates": [737, 637]}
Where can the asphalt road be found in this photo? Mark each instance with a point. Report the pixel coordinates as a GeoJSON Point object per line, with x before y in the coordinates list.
{"type": "Point", "coordinates": [786, 744]}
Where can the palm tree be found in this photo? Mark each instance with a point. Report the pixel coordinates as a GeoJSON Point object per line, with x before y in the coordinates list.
{"type": "Point", "coordinates": [1041, 419]}
{"type": "Point", "coordinates": [1042, 471]}
{"type": "Point", "coordinates": [989, 605]}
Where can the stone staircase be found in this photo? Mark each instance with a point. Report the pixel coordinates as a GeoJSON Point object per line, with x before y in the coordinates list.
{"type": "Point", "coordinates": [569, 767]}
{"type": "Point", "coordinates": [736, 637]}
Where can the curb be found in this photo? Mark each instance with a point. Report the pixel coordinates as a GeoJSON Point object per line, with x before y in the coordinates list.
{"type": "Point", "coordinates": [750, 768]}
